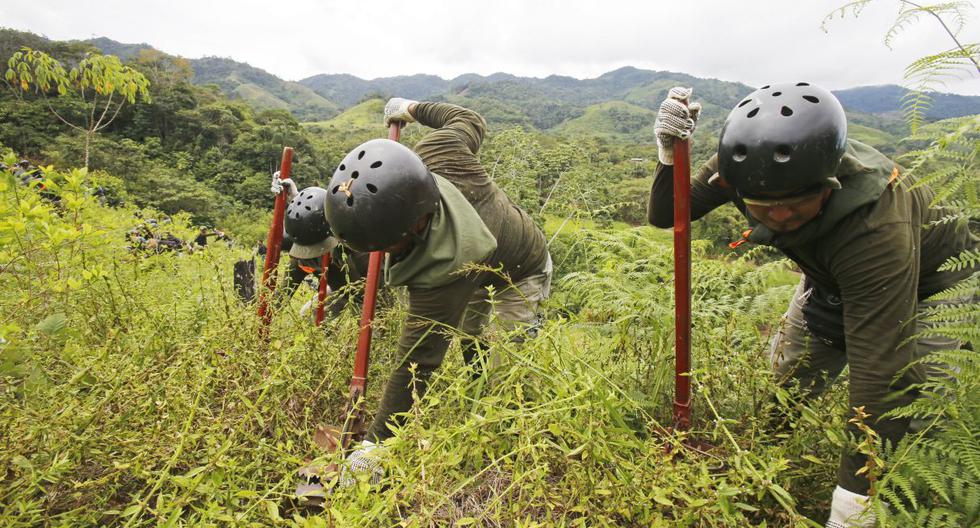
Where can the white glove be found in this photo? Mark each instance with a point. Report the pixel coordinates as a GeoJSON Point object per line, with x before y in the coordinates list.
{"type": "Point", "coordinates": [306, 308]}
{"type": "Point", "coordinates": [850, 510]}
{"type": "Point", "coordinates": [364, 461]}
{"type": "Point", "coordinates": [278, 185]}
{"type": "Point", "coordinates": [396, 109]}
{"type": "Point", "coordinates": [676, 119]}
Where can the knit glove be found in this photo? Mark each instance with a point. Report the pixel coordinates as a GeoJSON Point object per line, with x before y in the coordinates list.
{"type": "Point", "coordinates": [364, 461]}
{"type": "Point", "coordinates": [850, 510]}
{"type": "Point", "coordinates": [396, 109]}
{"type": "Point", "coordinates": [307, 308]}
{"type": "Point", "coordinates": [288, 184]}
{"type": "Point", "coordinates": [676, 119]}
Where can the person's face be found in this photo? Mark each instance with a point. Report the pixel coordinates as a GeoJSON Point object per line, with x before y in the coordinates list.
{"type": "Point", "coordinates": [408, 241]}
{"type": "Point", "coordinates": [400, 247]}
{"type": "Point", "coordinates": [783, 214]}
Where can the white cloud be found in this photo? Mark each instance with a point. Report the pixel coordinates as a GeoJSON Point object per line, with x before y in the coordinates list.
{"type": "Point", "coordinates": [755, 42]}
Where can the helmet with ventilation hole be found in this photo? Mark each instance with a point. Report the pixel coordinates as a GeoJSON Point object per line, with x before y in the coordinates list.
{"type": "Point", "coordinates": [378, 193]}
{"type": "Point", "coordinates": [783, 138]}
{"type": "Point", "coordinates": [305, 220]}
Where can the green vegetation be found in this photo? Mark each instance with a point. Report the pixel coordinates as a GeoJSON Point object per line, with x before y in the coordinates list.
{"type": "Point", "coordinates": [91, 85]}
{"type": "Point", "coordinates": [134, 390]}
{"type": "Point", "coordinates": [879, 139]}
{"type": "Point", "coordinates": [614, 120]}
{"type": "Point", "coordinates": [183, 148]}
{"type": "Point", "coordinates": [262, 89]}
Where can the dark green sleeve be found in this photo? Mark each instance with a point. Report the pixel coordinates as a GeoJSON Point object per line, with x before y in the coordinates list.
{"type": "Point", "coordinates": [450, 150]}
{"type": "Point", "coordinates": [878, 272]}
{"type": "Point", "coordinates": [704, 196]}
{"type": "Point", "coordinates": [433, 315]}
{"type": "Point", "coordinates": [455, 124]}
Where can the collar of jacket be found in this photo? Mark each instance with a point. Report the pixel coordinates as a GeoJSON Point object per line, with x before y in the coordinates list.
{"type": "Point", "coordinates": [457, 236]}
{"type": "Point", "coordinates": [864, 174]}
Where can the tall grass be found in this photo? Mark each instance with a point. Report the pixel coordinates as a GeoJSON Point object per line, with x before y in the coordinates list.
{"type": "Point", "coordinates": [134, 391]}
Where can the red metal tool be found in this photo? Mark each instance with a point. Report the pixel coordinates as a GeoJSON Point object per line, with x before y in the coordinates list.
{"type": "Point", "coordinates": [321, 294]}
{"type": "Point", "coordinates": [682, 286]}
{"type": "Point", "coordinates": [333, 438]}
{"type": "Point", "coordinates": [354, 422]}
{"type": "Point", "coordinates": [274, 245]}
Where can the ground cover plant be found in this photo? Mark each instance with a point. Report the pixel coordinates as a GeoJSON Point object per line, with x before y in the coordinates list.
{"type": "Point", "coordinates": [135, 391]}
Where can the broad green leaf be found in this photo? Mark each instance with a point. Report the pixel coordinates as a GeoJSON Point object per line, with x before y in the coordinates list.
{"type": "Point", "coordinates": [52, 324]}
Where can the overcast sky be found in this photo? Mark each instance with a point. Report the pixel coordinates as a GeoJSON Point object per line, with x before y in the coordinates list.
{"type": "Point", "coordinates": [752, 41]}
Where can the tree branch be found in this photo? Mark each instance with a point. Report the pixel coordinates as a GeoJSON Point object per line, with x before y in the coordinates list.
{"type": "Point", "coordinates": [56, 114]}
{"type": "Point", "coordinates": [91, 115]}
{"type": "Point", "coordinates": [18, 93]}
{"type": "Point", "coordinates": [104, 110]}
{"type": "Point", "coordinates": [113, 118]}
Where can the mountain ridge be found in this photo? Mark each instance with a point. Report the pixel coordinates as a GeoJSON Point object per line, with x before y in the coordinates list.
{"type": "Point", "coordinates": [542, 102]}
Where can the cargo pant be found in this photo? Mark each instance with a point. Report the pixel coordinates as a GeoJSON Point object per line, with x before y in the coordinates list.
{"type": "Point", "coordinates": [516, 313]}
{"type": "Point", "coordinates": [808, 347]}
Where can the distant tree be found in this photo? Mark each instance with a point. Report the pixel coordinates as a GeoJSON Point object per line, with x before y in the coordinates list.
{"type": "Point", "coordinates": [100, 85]}
{"type": "Point", "coordinates": [164, 71]}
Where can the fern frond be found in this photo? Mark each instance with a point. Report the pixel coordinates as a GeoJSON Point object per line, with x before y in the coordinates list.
{"type": "Point", "coordinates": [899, 493]}
{"type": "Point", "coordinates": [963, 216]}
{"type": "Point", "coordinates": [954, 185]}
{"type": "Point", "coordinates": [906, 17]}
{"type": "Point", "coordinates": [925, 71]}
{"type": "Point", "coordinates": [915, 104]}
{"type": "Point", "coordinates": [953, 312]}
{"type": "Point", "coordinates": [968, 258]}
{"type": "Point", "coordinates": [855, 7]}
{"type": "Point", "coordinates": [930, 73]}
{"type": "Point", "coordinates": [960, 290]}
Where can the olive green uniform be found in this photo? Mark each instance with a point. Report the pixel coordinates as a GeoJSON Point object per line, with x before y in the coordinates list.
{"type": "Point", "coordinates": [346, 267]}
{"type": "Point", "coordinates": [871, 252]}
{"type": "Point", "coordinates": [476, 224]}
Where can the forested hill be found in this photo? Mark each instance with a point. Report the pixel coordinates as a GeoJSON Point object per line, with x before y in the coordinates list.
{"type": "Point", "coordinates": [628, 84]}
{"type": "Point", "coordinates": [241, 81]}
{"type": "Point", "coordinates": [888, 99]}
{"type": "Point", "coordinates": [540, 102]}
{"type": "Point", "coordinates": [262, 89]}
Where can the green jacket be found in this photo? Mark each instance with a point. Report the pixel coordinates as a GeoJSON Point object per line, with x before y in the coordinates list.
{"type": "Point", "coordinates": [346, 267]}
{"type": "Point", "coordinates": [456, 238]}
{"type": "Point", "coordinates": [871, 247]}
{"type": "Point", "coordinates": [497, 233]}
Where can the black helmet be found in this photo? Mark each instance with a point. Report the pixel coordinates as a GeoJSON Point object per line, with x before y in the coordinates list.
{"type": "Point", "coordinates": [378, 193]}
{"type": "Point", "coordinates": [305, 221]}
{"type": "Point", "coordinates": [784, 137]}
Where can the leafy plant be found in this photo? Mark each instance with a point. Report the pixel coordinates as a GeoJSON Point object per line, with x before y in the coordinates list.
{"type": "Point", "coordinates": [168, 409]}
{"type": "Point", "coordinates": [101, 85]}
{"type": "Point", "coordinates": [927, 73]}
